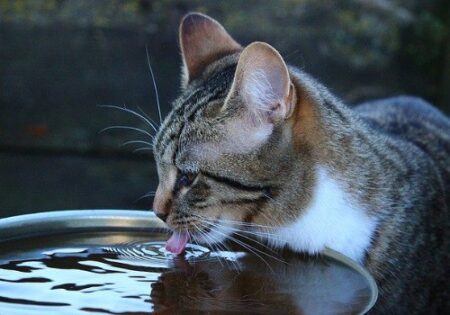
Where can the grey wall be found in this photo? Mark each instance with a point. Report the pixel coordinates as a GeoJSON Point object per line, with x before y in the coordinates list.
{"type": "Point", "coordinates": [60, 59]}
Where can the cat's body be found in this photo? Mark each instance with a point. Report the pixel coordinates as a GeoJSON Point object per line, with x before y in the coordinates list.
{"type": "Point", "coordinates": [409, 254]}
{"type": "Point", "coordinates": [251, 143]}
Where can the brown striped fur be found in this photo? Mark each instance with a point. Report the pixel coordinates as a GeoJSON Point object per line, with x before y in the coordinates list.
{"type": "Point", "coordinates": [392, 156]}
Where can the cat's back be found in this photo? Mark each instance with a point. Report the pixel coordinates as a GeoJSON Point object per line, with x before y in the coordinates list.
{"type": "Point", "coordinates": [415, 135]}
{"type": "Point", "coordinates": [414, 120]}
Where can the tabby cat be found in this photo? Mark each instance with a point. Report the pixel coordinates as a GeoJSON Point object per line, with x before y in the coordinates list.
{"type": "Point", "coordinates": [252, 143]}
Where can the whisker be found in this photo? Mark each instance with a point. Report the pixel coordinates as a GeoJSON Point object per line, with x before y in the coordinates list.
{"type": "Point", "coordinates": [149, 194]}
{"type": "Point", "coordinates": [248, 224]}
{"type": "Point", "coordinates": [147, 116]}
{"type": "Point", "coordinates": [127, 128]}
{"type": "Point", "coordinates": [235, 231]}
{"type": "Point", "coordinates": [208, 241]}
{"type": "Point", "coordinates": [252, 249]}
{"type": "Point", "coordinates": [260, 232]}
{"type": "Point", "coordinates": [218, 247]}
{"type": "Point", "coordinates": [142, 149]}
{"type": "Point", "coordinates": [154, 84]}
{"type": "Point", "coordinates": [239, 233]}
{"type": "Point", "coordinates": [132, 112]}
{"type": "Point", "coordinates": [251, 232]}
{"type": "Point", "coordinates": [135, 141]}
{"type": "Point", "coordinates": [257, 229]}
{"type": "Point", "coordinates": [205, 237]}
{"type": "Point", "coordinates": [232, 262]}
{"type": "Point", "coordinates": [248, 247]}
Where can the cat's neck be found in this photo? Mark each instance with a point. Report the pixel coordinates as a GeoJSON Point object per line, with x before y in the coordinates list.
{"type": "Point", "coordinates": [341, 143]}
{"type": "Point", "coordinates": [333, 219]}
{"type": "Point", "coordinates": [343, 206]}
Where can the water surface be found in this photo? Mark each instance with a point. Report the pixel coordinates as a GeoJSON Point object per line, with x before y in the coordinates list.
{"type": "Point", "coordinates": [132, 273]}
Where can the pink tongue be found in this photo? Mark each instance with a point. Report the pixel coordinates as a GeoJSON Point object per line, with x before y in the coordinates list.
{"type": "Point", "coordinates": [177, 242]}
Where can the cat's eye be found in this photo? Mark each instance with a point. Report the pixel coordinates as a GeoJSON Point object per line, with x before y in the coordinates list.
{"type": "Point", "coordinates": [184, 180]}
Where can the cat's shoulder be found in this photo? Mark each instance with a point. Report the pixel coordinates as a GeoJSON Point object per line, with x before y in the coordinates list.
{"type": "Point", "coordinates": [410, 121]}
{"type": "Point", "coordinates": [403, 108]}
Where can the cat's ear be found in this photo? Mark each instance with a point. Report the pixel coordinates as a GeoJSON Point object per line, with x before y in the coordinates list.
{"type": "Point", "coordinates": [263, 84]}
{"type": "Point", "coordinates": [203, 40]}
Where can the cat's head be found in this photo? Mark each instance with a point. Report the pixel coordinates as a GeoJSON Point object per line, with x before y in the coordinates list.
{"type": "Point", "coordinates": [225, 150]}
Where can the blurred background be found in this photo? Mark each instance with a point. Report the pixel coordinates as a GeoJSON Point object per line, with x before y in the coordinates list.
{"type": "Point", "coordinates": [59, 59]}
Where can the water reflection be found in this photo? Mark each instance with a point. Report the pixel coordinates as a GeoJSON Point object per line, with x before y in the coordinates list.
{"type": "Point", "coordinates": [297, 287]}
{"type": "Point", "coordinates": [140, 277]}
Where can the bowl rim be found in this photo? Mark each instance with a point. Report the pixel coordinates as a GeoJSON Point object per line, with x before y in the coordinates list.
{"type": "Point", "coordinates": [115, 220]}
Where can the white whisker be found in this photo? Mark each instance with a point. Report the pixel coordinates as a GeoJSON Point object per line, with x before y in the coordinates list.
{"type": "Point", "coordinates": [246, 224]}
{"type": "Point", "coordinates": [136, 141]}
{"type": "Point", "coordinates": [142, 149]}
{"type": "Point", "coordinates": [154, 84]}
{"type": "Point", "coordinates": [149, 194]}
{"type": "Point", "coordinates": [205, 237]}
{"type": "Point", "coordinates": [217, 246]}
{"type": "Point", "coordinates": [235, 231]}
{"type": "Point", "coordinates": [250, 248]}
{"type": "Point", "coordinates": [132, 112]}
{"type": "Point", "coordinates": [127, 128]}
{"type": "Point", "coordinates": [147, 116]}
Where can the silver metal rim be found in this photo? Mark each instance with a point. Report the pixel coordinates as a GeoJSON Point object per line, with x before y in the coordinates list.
{"type": "Point", "coordinates": [347, 261]}
{"type": "Point", "coordinates": [69, 221]}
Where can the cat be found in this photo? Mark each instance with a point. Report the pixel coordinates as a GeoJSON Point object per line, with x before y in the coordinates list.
{"type": "Point", "coordinates": [253, 144]}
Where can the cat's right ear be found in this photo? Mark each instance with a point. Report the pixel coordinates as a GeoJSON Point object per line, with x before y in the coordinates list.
{"type": "Point", "coordinates": [263, 84]}
{"type": "Point", "coordinates": [202, 40]}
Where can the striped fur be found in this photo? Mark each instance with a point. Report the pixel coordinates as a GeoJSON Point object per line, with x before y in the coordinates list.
{"type": "Point", "coordinates": [387, 160]}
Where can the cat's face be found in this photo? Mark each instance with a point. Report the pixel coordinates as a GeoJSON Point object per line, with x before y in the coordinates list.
{"type": "Point", "coordinates": [223, 149]}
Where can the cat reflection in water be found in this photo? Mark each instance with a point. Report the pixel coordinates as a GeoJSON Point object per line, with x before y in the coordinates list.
{"type": "Point", "coordinates": [255, 147]}
{"type": "Point", "coordinates": [306, 287]}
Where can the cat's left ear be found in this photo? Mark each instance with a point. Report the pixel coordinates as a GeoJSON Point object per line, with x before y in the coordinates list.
{"type": "Point", "coordinates": [203, 40]}
{"type": "Point", "coordinates": [263, 84]}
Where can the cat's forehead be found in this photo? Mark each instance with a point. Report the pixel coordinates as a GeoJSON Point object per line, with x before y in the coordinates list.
{"type": "Point", "coordinates": [212, 85]}
{"type": "Point", "coordinates": [188, 118]}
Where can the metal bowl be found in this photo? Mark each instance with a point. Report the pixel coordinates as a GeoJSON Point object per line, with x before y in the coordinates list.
{"type": "Point", "coordinates": [59, 223]}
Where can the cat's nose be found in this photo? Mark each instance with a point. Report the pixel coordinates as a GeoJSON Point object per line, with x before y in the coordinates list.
{"type": "Point", "coordinates": [162, 204]}
{"type": "Point", "coordinates": [162, 216]}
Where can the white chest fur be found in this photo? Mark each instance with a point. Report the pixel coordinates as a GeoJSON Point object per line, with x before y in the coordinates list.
{"type": "Point", "coordinates": [333, 219]}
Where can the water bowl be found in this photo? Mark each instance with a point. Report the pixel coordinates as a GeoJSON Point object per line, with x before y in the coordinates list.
{"type": "Point", "coordinates": [114, 262]}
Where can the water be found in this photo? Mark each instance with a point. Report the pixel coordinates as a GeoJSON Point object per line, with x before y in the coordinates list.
{"type": "Point", "coordinates": [132, 273]}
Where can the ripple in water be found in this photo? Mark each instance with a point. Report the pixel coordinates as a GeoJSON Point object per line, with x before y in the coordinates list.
{"type": "Point", "coordinates": [69, 251]}
{"type": "Point", "coordinates": [52, 276]}
{"type": "Point", "coordinates": [157, 256]}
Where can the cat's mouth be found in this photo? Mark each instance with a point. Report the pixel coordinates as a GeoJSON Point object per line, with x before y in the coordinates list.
{"type": "Point", "coordinates": [177, 242]}
{"type": "Point", "coordinates": [208, 235]}
{"type": "Point", "coordinates": [179, 239]}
